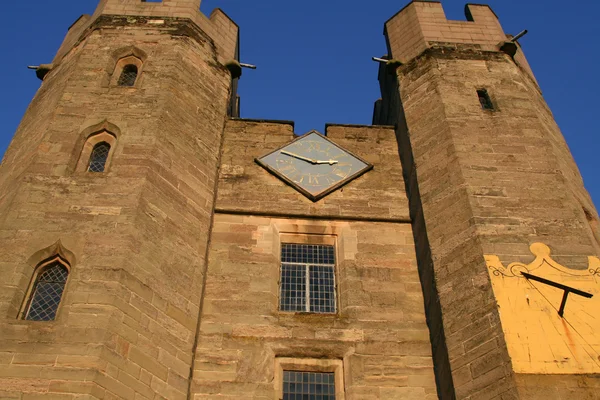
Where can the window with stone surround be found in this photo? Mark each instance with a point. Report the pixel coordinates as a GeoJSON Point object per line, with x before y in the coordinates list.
{"type": "Point", "coordinates": [307, 278]}
{"type": "Point", "coordinates": [98, 157]}
{"type": "Point", "coordinates": [313, 385]}
{"type": "Point", "coordinates": [313, 379]}
{"type": "Point", "coordinates": [127, 72]}
{"type": "Point", "coordinates": [46, 291]}
{"type": "Point", "coordinates": [128, 75]}
{"type": "Point", "coordinates": [97, 153]}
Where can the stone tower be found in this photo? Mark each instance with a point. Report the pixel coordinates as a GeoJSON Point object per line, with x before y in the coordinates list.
{"type": "Point", "coordinates": [141, 87]}
{"type": "Point", "coordinates": [157, 246]}
{"type": "Point", "coordinates": [491, 181]}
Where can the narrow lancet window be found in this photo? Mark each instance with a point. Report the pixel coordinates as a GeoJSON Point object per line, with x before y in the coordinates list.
{"type": "Point", "coordinates": [485, 100]}
{"type": "Point", "coordinates": [47, 292]}
{"type": "Point", "coordinates": [98, 157]}
{"type": "Point", "coordinates": [128, 75]}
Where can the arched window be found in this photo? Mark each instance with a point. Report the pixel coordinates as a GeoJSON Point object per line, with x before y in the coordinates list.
{"type": "Point", "coordinates": [98, 157]}
{"type": "Point", "coordinates": [47, 292]}
{"type": "Point", "coordinates": [127, 69]}
{"type": "Point", "coordinates": [128, 75]}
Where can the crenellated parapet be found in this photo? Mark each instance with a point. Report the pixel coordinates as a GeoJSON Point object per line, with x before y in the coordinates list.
{"type": "Point", "coordinates": [423, 25]}
{"type": "Point", "coordinates": [221, 30]}
{"type": "Point", "coordinates": [166, 8]}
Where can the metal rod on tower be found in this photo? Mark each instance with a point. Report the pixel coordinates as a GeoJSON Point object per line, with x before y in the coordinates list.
{"type": "Point", "coordinates": [381, 60]}
{"type": "Point", "coordinates": [243, 65]}
{"type": "Point", "coordinates": [33, 66]}
{"type": "Point", "coordinates": [519, 36]}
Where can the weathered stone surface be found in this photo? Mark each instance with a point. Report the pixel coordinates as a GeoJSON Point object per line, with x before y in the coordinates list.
{"type": "Point", "coordinates": [246, 187]}
{"type": "Point", "coordinates": [479, 182]}
{"type": "Point", "coordinates": [379, 331]}
{"type": "Point", "coordinates": [174, 251]}
{"type": "Point", "coordinates": [139, 231]}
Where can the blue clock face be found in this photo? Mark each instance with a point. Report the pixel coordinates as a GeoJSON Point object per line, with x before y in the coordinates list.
{"type": "Point", "coordinates": [314, 165]}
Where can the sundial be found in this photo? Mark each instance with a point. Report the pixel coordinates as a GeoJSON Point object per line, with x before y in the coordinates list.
{"type": "Point", "coordinates": [550, 314]}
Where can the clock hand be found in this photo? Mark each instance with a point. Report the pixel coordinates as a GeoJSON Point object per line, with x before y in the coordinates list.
{"type": "Point", "coordinates": [330, 162]}
{"type": "Point", "coordinates": [310, 160]}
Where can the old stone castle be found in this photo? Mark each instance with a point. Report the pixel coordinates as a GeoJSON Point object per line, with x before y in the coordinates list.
{"type": "Point", "coordinates": [157, 246]}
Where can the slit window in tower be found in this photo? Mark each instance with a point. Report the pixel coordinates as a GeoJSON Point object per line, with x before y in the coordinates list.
{"type": "Point", "coordinates": [47, 292]}
{"type": "Point", "coordinates": [305, 385]}
{"type": "Point", "coordinates": [128, 76]}
{"type": "Point", "coordinates": [307, 282]}
{"type": "Point", "coordinates": [485, 100]}
{"type": "Point", "coordinates": [98, 157]}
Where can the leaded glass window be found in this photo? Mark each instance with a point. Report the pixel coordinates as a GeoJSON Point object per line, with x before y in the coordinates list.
{"type": "Point", "coordinates": [98, 157]}
{"type": "Point", "coordinates": [47, 292]}
{"type": "Point", "coordinates": [307, 278]}
{"type": "Point", "coordinates": [300, 385]}
{"type": "Point", "coordinates": [128, 75]}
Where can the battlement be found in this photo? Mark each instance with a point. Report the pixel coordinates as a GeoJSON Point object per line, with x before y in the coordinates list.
{"type": "Point", "coordinates": [423, 23]}
{"type": "Point", "coordinates": [218, 26]}
{"type": "Point", "coordinates": [164, 8]}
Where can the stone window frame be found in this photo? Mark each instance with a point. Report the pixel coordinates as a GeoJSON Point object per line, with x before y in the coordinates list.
{"type": "Point", "coordinates": [89, 145]}
{"type": "Point", "coordinates": [128, 72]}
{"type": "Point", "coordinates": [316, 239]}
{"type": "Point", "coordinates": [118, 60]}
{"type": "Point", "coordinates": [39, 269]}
{"type": "Point", "coordinates": [309, 365]}
{"type": "Point", "coordinates": [120, 65]}
{"type": "Point", "coordinates": [29, 275]}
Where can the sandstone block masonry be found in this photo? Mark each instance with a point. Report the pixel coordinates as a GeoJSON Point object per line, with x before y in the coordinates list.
{"type": "Point", "coordinates": [503, 177]}
{"type": "Point", "coordinates": [379, 331]}
{"type": "Point", "coordinates": [135, 236]}
{"type": "Point", "coordinates": [173, 247]}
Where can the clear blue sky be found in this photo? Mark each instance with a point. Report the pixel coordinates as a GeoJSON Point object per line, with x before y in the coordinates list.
{"type": "Point", "coordinates": [314, 59]}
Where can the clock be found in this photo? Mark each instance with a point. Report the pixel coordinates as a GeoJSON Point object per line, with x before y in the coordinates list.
{"type": "Point", "coordinates": [314, 165]}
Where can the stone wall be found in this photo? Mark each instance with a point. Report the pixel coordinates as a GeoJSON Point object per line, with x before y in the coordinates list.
{"type": "Point", "coordinates": [135, 236]}
{"type": "Point", "coordinates": [379, 332]}
{"type": "Point", "coordinates": [245, 187]}
{"type": "Point", "coordinates": [484, 182]}
{"type": "Point", "coordinates": [223, 32]}
{"type": "Point", "coordinates": [174, 251]}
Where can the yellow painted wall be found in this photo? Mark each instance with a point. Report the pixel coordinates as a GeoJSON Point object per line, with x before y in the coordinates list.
{"type": "Point", "coordinates": [539, 340]}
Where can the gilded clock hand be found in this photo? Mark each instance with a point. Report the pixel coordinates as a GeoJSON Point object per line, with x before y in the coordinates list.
{"type": "Point", "coordinates": [330, 162]}
{"type": "Point", "coordinates": [310, 160]}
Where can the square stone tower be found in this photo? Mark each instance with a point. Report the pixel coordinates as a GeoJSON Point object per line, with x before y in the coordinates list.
{"type": "Point", "coordinates": [494, 193]}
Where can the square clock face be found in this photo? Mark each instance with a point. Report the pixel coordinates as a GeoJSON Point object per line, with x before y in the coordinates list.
{"type": "Point", "coordinates": [314, 165]}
